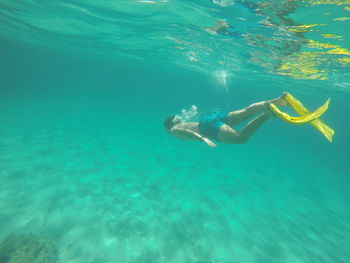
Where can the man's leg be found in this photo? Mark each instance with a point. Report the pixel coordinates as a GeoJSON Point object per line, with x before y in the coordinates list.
{"type": "Point", "coordinates": [251, 127]}
{"type": "Point", "coordinates": [238, 116]}
{"type": "Point", "coordinates": [229, 135]}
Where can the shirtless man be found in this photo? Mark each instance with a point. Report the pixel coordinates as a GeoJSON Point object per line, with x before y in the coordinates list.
{"type": "Point", "coordinates": [220, 126]}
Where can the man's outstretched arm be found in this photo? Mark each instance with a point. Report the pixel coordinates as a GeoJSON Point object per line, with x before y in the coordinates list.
{"type": "Point", "coordinates": [186, 134]}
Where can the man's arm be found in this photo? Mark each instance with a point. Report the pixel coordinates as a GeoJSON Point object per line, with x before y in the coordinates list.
{"type": "Point", "coordinates": [190, 135]}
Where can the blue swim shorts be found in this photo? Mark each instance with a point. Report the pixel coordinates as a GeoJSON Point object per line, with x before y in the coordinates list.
{"type": "Point", "coordinates": [209, 126]}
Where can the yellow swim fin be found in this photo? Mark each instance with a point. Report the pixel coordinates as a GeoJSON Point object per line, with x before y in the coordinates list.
{"type": "Point", "coordinates": [300, 119]}
{"type": "Point", "coordinates": [311, 118]}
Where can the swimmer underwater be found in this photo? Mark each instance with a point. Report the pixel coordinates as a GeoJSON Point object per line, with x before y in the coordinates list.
{"type": "Point", "coordinates": [220, 126]}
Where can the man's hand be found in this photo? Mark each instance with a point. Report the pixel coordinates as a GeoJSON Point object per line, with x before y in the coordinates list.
{"type": "Point", "coordinates": [208, 142]}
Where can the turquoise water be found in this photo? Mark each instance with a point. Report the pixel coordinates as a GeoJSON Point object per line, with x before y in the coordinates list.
{"type": "Point", "coordinates": [85, 160]}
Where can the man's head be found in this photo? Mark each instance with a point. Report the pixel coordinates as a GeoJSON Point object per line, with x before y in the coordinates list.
{"type": "Point", "coordinates": [171, 122]}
